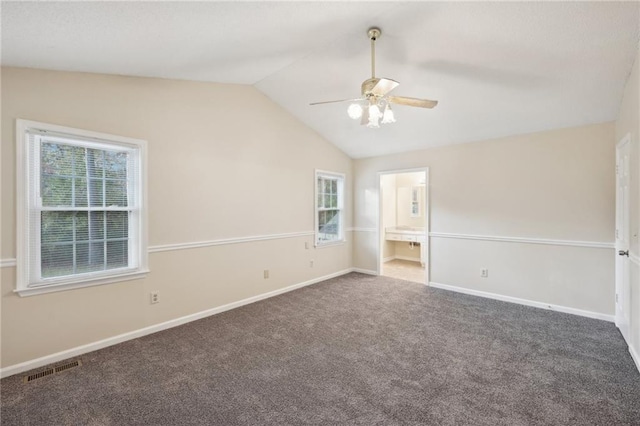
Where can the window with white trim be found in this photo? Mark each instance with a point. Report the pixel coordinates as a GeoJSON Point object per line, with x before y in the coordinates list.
{"type": "Point", "coordinates": [329, 207]}
{"type": "Point", "coordinates": [81, 208]}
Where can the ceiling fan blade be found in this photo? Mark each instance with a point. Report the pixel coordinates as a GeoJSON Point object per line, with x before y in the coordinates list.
{"type": "Point", "coordinates": [333, 102]}
{"type": "Point", "coordinates": [414, 102]}
{"type": "Point", "coordinates": [384, 86]}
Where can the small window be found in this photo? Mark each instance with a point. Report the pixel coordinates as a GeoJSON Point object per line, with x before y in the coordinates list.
{"type": "Point", "coordinates": [416, 196]}
{"type": "Point", "coordinates": [329, 208]}
{"type": "Point", "coordinates": [81, 196]}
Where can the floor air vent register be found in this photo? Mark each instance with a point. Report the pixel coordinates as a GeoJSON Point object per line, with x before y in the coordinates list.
{"type": "Point", "coordinates": [52, 370]}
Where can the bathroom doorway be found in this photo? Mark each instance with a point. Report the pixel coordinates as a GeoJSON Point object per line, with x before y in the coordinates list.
{"type": "Point", "coordinates": [403, 225]}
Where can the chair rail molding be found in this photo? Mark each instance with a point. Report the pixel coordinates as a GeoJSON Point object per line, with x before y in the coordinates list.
{"type": "Point", "coordinates": [525, 240]}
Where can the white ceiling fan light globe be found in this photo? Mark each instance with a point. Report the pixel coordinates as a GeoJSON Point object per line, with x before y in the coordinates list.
{"type": "Point", "coordinates": [354, 111]}
{"type": "Point", "coordinates": [374, 116]}
{"type": "Point", "coordinates": [388, 116]}
{"type": "Point", "coordinates": [374, 111]}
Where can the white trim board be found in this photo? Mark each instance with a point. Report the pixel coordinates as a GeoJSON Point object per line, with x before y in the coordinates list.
{"type": "Point", "coordinates": [10, 262]}
{"type": "Point", "coordinates": [526, 302]}
{"type": "Point", "coordinates": [634, 258]}
{"type": "Point", "coordinates": [363, 229]}
{"type": "Point", "coordinates": [224, 241]}
{"type": "Point", "coordinates": [364, 271]}
{"type": "Point", "coordinates": [635, 357]}
{"type": "Point", "coordinates": [411, 259]}
{"type": "Point", "coordinates": [110, 341]}
{"type": "Point", "coordinates": [5, 263]}
{"type": "Point", "coordinates": [523, 240]}
{"type": "Point", "coordinates": [589, 244]}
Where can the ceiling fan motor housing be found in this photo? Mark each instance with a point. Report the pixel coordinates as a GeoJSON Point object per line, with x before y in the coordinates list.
{"type": "Point", "coordinates": [368, 85]}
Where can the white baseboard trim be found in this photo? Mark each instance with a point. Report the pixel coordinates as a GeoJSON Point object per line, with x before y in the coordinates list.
{"type": "Point", "coordinates": [412, 259]}
{"type": "Point", "coordinates": [365, 271]}
{"type": "Point", "coordinates": [635, 356]}
{"type": "Point", "coordinates": [110, 341]}
{"type": "Point", "coordinates": [548, 306]}
{"type": "Point", "coordinates": [390, 258]}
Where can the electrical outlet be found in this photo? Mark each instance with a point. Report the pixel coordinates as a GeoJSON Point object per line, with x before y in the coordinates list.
{"type": "Point", "coordinates": [155, 297]}
{"type": "Point", "coordinates": [484, 273]}
{"type": "Point", "coordinates": [311, 264]}
{"type": "Point", "coordinates": [266, 274]}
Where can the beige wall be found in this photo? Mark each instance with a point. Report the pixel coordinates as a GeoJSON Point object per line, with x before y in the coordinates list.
{"type": "Point", "coordinates": [629, 123]}
{"type": "Point", "coordinates": [554, 185]}
{"type": "Point", "coordinates": [224, 162]}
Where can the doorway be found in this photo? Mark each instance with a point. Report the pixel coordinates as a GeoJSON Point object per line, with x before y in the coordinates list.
{"type": "Point", "coordinates": [403, 224]}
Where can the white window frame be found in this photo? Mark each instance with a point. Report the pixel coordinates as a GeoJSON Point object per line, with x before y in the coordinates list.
{"type": "Point", "coordinates": [28, 282]}
{"type": "Point", "coordinates": [340, 208]}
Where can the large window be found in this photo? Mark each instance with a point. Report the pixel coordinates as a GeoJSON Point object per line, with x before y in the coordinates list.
{"type": "Point", "coordinates": [81, 216]}
{"type": "Point", "coordinates": [329, 207]}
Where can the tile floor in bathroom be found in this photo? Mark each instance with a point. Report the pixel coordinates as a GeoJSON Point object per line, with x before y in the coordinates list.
{"type": "Point", "coordinates": [404, 270]}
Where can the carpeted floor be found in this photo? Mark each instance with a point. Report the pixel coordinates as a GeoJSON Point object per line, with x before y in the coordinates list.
{"type": "Point", "coordinates": [355, 350]}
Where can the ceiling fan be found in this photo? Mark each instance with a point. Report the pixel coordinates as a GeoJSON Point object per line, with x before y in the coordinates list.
{"type": "Point", "coordinates": [375, 95]}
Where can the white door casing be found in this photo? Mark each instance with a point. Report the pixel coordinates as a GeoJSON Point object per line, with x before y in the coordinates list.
{"type": "Point", "coordinates": [623, 279]}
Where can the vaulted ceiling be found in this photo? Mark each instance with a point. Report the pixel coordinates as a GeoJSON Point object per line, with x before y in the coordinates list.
{"type": "Point", "coordinates": [497, 69]}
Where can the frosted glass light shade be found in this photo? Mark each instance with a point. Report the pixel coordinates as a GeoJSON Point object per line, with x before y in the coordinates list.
{"type": "Point", "coordinates": [388, 116]}
{"type": "Point", "coordinates": [355, 111]}
{"type": "Point", "coordinates": [374, 116]}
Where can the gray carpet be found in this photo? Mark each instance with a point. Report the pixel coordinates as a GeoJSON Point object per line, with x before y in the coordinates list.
{"type": "Point", "coordinates": [355, 350]}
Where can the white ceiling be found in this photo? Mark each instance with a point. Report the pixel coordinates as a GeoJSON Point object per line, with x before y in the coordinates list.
{"type": "Point", "coordinates": [497, 69]}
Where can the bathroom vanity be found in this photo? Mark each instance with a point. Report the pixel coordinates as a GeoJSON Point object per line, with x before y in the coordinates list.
{"type": "Point", "coordinates": [409, 235]}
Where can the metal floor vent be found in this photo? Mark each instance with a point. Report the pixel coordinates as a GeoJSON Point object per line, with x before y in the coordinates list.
{"type": "Point", "coordinates": [52, 370]}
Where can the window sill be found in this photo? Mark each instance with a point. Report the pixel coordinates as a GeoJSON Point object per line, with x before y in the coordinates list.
{"type": "Point", "coordinates": [330, 244]}
{"type": "Point", "coordinates": [32, 291]}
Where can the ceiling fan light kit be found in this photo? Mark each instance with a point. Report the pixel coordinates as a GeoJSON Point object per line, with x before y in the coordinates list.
{"type": "Point", "coordinates": [374, 93]}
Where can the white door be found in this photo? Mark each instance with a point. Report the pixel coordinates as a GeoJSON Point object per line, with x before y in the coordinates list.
{"type": "Point", "coordinates": [623, 281]}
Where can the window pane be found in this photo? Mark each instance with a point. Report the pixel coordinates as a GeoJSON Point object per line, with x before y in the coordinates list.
{"type": "Point", "coordinates": [82, 226]}
{"type": "Point", "coordinates": [320, 185]}
{"type": "Point", "coordinates": [327, 200]}
{"type": "Point", "coordinates": [95, 162]}
{"type": "Point", "coordinates": [115, 165]}
{"type": "Point", "coordinates": [320, 199]}
{"type": "Point", "coordinates": [56, 159]}
{"type": "Point", "coordinates": [96, 225]}
{"type": "Point", "coordinates": [334, 201]}
{"type": "Point", "coordinates": [90, 257]}
{"type": "Point", "coordinates": [80, 161]}
{"type": "Point", "coordinates": [117, 254]}
{"type": "Point", "coordinates": [96, 195]}
{"type": "Point", "coordinates": [56, 227]}
{"type": "Point", "coordinates": [116, 193]}
{"type": "Point", "coordinates": [80, 192]}
{"type": "Point", "coordinates": [117, 224]}
{"type": "Point", "coordinates": [327, 186]}
{"type": "Point", "coordinates": [334, 186]}
{"type": "Point", "coordinates": [56, 191]}
{"type": "Point", "coordinates": [56, 260]}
